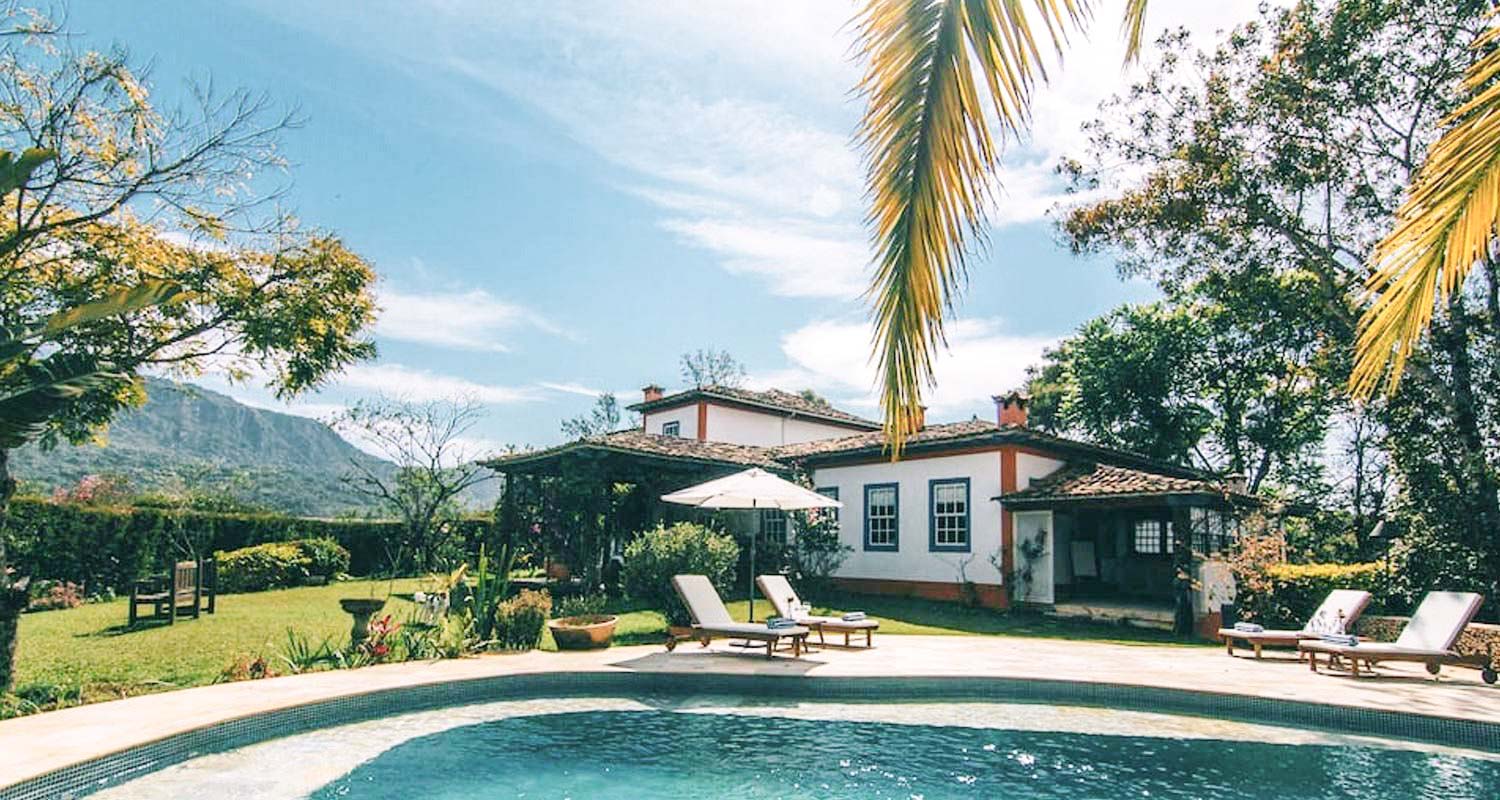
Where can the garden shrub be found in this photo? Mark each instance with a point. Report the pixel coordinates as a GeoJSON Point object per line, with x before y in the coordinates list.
{"type": "Point", "coordinates": [261, 567]}
{"type": "Point", "coordinates": [519, 620]}
{"type": "Point", "coordinates": [278, 565]}
{"type": "Point", "coordinates": [1286, 595]}
{"type": "Point", "coordinates": [327, 559]}
{"type": "Point", "coordinates": [683, 549]}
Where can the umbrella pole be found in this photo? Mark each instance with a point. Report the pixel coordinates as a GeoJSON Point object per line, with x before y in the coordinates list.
{"type": "Point", "coordinates": [754, 534]}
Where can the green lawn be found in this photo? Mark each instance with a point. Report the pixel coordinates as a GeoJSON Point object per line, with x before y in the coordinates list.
{"type": "Point", "coordinates": [87, 654]}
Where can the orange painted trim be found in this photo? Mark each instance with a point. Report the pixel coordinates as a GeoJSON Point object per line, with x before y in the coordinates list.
{"type": "Point", "coordinates": [988, 595]}
{"type": "Point", "coordinates": [702, 421]}
{"type": "Point", "coordinates": [1008, 481]}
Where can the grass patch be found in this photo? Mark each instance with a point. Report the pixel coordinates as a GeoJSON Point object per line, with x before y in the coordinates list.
{"type": "Point", "coordinates": [89, 650]}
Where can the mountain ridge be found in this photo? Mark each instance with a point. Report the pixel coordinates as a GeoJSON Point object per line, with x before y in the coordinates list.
{"type": "Point", "coordinates": [189, 436]}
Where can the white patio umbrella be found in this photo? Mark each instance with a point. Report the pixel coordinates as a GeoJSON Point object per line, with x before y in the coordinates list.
{"type": "Point", "coordinates": [751, 489]}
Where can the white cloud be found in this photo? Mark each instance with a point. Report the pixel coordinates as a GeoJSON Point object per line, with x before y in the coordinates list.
{"type": "Point", "coordinates": [571, 388]}
{"type": "Point", "coordinates": [797, 260]}
{"type": "Point", "coordinates": [982, 360]}
{"type": "Point", "coordinates": [467, 320]}
{"type": "Point", "coordinates": [419, 385]}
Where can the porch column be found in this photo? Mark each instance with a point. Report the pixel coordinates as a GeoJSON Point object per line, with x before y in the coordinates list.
{"type": "Point", "coordinates": [1183, 623]}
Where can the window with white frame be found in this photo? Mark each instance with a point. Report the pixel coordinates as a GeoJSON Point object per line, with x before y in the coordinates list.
{"type": "Point", "coordinates": [773, 526]}
{"type": "Point", "coordinates": [673, 428]}
{"type": "Point", "coordinates": [1148, 536]}
{"type": "Point", "coordinates": [831, 513]}
{"type": "Point", "coordinates": [950, 514]}
{"type": "Point", "coordinates": [882, 517]}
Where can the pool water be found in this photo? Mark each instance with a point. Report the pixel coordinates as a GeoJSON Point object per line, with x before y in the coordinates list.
{"type": "Point", "coordinates": [655, 754]}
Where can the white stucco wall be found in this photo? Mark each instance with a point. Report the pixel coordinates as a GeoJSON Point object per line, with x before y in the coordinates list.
{"type": "Point", "coordinates": [1029, 467]}
{"type": "Point", "coordinates": [744, 426]}
{"type": "Point", "coordinates": [686, 415]}
{"type": "Point", "coordinates": [914, 561]}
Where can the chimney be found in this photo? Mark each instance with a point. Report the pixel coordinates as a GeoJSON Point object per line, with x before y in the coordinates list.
{"type": "Point", "coordinates": [1237, 483]}
{"type": "Point", "coordinates": [651, 393]}
{"type": "Point", "coordinates": [1011, 407]}
{"type": "Point", "coordinates": [920, 422]}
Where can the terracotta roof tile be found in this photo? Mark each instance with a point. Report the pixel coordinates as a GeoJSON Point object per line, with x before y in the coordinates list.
{"type": "Point", "coordinates": [770, 398]}
{"type": "Point", "coordinates": [1106, 480]}
{"type": "Point", "coordinates": [638, 441]}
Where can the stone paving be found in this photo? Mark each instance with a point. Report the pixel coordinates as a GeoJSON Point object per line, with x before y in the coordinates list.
{"type": "Point", "coordinates": [34, 745]}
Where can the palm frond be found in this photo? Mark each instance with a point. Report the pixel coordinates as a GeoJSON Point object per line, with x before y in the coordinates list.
{"type": "Point", "coordinates": [1133, 27]}
{"type": "Point", "coordinates": [1442, 229]}
{"type": "Point", "coordinates": [930, 157]}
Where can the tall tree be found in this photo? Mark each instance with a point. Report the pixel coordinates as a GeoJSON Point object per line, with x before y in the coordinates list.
{"type": "Point", "coordinates": [1286, 152]}
{"type": "Point", "coordinates": [1227, 376]}
{"type": "Point", "coordinates": [603, 418]}
{"type": "Point", "coordinates": [931, 157]}
{"type": "Point", "coordinates": [435, 464]}
{"type": "Point", "coordinates": [707, 367]}
{"type": "Point", "coordinates": [147, 240]}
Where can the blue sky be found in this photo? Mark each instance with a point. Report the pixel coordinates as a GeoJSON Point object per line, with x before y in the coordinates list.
{"type": "Point", "coordinates": [561, 199]}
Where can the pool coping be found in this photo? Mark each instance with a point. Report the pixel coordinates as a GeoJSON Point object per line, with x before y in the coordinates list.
{"type": "Point", "coordinates": [304, 703]}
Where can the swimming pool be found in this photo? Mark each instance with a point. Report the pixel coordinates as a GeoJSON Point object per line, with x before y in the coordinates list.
{"type": "Point", "coordinates": [713, 747]}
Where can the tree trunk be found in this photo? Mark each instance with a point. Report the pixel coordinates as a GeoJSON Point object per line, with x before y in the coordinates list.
{"type": "Point", "coordinates": [12, 593]}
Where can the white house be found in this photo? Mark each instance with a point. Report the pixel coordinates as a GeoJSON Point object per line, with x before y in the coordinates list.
{"type": "Point", "coordinates": [989, 512]}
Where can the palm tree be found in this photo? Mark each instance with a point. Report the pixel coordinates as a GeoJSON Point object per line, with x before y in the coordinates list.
{"type": "Point", "coordinates": [930, 159]}
{"type": "Point", "coordinates": [1444, 227]}
{"type": "Point", "coordinates": [930, 156]}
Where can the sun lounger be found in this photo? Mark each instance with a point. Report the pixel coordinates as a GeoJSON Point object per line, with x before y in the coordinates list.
{"type": "Point", "coordinates": [1337, 614]}
{"type": "Point", "coordinates": [711, 619]}
{"type": "Point", "coordinates": [779, 591]}
{"type": "Point", "coordinates": [1428, 638]}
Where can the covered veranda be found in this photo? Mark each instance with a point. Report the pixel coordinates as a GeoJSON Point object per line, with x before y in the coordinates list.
{"type": "Point", "coordinates": [575, 506]}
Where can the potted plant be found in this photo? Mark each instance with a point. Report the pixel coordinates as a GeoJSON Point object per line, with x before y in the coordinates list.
{"type": "Point", "coordinates": [581, 623]}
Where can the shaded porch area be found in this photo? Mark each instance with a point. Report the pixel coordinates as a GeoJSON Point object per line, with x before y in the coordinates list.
{"type": "Point", "coordinates": [574, 507]}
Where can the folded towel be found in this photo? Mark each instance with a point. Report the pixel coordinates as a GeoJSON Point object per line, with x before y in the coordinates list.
{"type": "Point", "coordinates": [1249, 627]}
{"type": "Point", "coordinates": [780, 622]}
{"type": "Point", "coordinates": [854, 616]}
{"type": "Point", "coordinates": [1344, 639]}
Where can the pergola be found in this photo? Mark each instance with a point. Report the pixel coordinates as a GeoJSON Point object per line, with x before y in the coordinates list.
{"type": "Point", "coordinates": [590, 493]}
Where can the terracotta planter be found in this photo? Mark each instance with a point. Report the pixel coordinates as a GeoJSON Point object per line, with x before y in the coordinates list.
{"type": "Point", "coordinates": [583, 633]}
{"type": "Point", "coordinates": [361, 609]}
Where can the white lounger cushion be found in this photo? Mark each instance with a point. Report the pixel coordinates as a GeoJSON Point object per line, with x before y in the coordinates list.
{"type": "Point", "coordinates": [1439, 620]}
{"type": "Point", "coordinates": [1340, 604]}
{"type": "Point", "coordinates": [779, 591]}
{"type": "Point", "coordinates": [709, 613]}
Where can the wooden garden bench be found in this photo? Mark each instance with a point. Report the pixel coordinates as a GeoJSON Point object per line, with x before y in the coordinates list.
{"type": "Point", "coordinates": [190, 590]}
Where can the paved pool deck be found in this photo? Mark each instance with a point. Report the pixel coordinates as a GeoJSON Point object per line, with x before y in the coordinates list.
{"type": "Point", "coordinates": [36, 745]}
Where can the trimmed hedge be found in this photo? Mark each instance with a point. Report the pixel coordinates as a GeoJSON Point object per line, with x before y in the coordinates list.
{"type": "Point", "coordinates": [107, 548]}
{"type": "Point", "coordinates": [1286, 595]}
{"type": "Point", "coordinates": [277, 565]}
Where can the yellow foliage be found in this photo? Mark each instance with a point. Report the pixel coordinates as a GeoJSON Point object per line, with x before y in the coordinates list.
{"type": "Point", "coordinates": [1442, 229]}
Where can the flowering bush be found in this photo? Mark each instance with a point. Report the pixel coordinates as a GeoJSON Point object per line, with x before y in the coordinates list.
{"type": "Point", "coordinates": [52, 595]}
{"type": "Point", "coordinates": [375, 648]}
{"type": "Point", "coordinates": [94, 490]}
